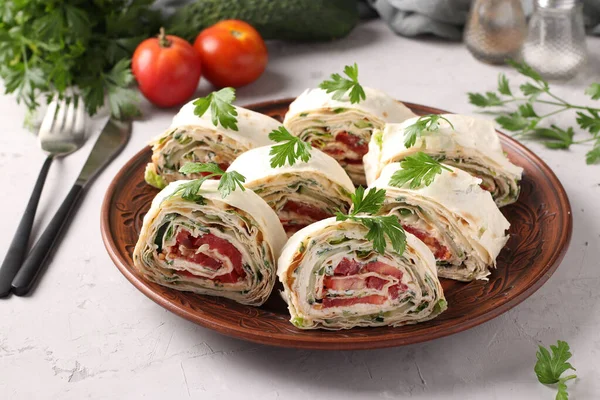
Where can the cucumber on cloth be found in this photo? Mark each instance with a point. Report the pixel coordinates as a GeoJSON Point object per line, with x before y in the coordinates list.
{"type": "Point", "coordinates": [303, 20]}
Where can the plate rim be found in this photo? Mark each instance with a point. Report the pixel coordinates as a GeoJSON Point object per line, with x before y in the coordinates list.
{"type": "Point", "coordinates": [336, 343]}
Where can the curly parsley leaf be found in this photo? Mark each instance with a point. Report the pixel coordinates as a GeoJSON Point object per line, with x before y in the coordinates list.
{"type": "Point", "coordinates": [426, 123]}
{"type": "Point", "coordinates": [550, 367]}
{"type": "Point", "coordinates": [290, 148]}
{"type": "Point", "coordinates": [228, 183]}
{"type": "Point", "coordinates": [379, 226]}
{"type": "Point", "coordinates": [221, 109]}
{"type": "Point", "coordinates": [340, 86]}
{"type": "Point", "coordinates": [419, 169]}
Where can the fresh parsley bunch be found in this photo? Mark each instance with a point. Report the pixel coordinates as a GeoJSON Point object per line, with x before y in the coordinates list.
{"type": "Point", "coordinates": [49, 46]}
{"type": "Point", "coordinates": [524, 121]}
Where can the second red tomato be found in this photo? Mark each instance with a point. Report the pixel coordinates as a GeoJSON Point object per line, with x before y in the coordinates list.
{"type": "Point", "coordinates": [233, 53]}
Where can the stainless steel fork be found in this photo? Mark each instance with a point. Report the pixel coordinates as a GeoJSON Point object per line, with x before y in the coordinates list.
{"type": "Point", "coordinates": [61, 133]}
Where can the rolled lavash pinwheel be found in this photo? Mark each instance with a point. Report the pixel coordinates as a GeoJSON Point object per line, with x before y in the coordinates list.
{"type": "Point", "coordinates": [333, 279]}
{"type": "Point", "coordinates": [453, 216]}
{"type": "Point", "coordinates": [301, 193]}
{"type": "Point", "coordinates": [193, 138]}
{"type": "Point", "coordinates": [341, 128]}
{"type": "Point", "coordinates": [197, 241]}
{"type": "Point", "coordinates": [468, 143]}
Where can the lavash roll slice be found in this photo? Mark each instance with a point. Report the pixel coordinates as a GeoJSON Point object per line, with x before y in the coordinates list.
{"type": "Point", "coordinates": [333, 279]}
{"type": "Point", "coordinates": [300, 194]}
{"type": "Point", "coordinates": [214, 246]}
{"type": "Point", "coordinates": [196, 139]}
{"type": "Point", "coordinates": [340, 128]}
{"type": "Point", "coordinates": [471, 144]}
{"type": "Point", "coordinates": [453, 216]}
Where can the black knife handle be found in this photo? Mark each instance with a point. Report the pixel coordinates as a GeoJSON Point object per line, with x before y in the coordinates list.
{"type": "Point", "coordinates": [42, 249]}
{"type": "Point", "coordinates": [18, 247]}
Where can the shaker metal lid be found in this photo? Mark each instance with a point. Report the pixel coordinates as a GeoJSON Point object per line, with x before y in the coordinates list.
{"type": "Point", "coordinates": [558, 4]}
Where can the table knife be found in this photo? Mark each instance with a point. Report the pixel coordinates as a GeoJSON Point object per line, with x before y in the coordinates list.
{"type": "Point", "coordinates": [109, 144]}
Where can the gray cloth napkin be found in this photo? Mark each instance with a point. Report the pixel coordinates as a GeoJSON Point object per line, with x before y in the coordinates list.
{"type": "Point", "coordinates": [446, 18]}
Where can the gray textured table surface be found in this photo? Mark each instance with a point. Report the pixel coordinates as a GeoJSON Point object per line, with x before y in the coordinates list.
{"type": "Point", "coordinates": [88, 333]}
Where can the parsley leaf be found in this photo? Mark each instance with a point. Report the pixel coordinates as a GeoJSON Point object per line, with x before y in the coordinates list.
{"type": "Point", "coordinates": [513, 122]}
{"type": "Point", "coordinates": [290, 148]}
{"type": "Point", "coordinates": [554, 137]}
{"type": "Point", "coordinates": [549, 368]}
{"type": "Point", "coordinates": [594, 91]}
{"type": "Point", "coordinates": [489, 99]}
{"type": "Point", "coordinates": [593, 156]}
{"type": "Point", "coordinates": [222, 112]}
{"type": "Point", "coordinates": [419, 169]}
{"type": "Point", "coordinates": [340, 86]}
{"type": "Point", "coordinates": [525, 69]}
{"type": "Point", "coordinates": [229, 180]}
{"type": "Point", "coordinates": [426, 123]}
{"type": "Point", "coordinates": [379, 226]}
{"type": "Point", "coordinates": [48, 47]}
{"type": "Point", "coordinates": [503, 86]}
{"type": "Point", "coordinates": [590, 122]}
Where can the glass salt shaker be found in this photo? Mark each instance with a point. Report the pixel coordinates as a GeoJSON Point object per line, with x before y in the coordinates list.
{"type": "Point", "coordinates": [495, 30]}
{"type": "Point", "coordinates": [555, 45]}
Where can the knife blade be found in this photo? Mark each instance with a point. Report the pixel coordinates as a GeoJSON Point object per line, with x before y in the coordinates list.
{"type": "Point", "coordinates": [110, 142]}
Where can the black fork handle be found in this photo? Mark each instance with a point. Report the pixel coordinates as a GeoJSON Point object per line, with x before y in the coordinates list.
{"type": "Point", "coordinates": [40, 253]}
{"type": "Point", "coordinates": [18, 247]}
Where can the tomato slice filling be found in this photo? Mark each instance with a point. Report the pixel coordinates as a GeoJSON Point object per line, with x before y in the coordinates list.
{"type": "Point", "coordinates": [351, 142]}
{"type": "Point", "coordinates": [440, 252]}
{"type": "Point", "coordinates": [350, 274]}
{"type": "Point", "coordinates": [187, 245]}
{"type": "Point", "coordinates": [314, 213]}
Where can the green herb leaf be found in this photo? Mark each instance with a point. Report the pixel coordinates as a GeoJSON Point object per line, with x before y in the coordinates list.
{"type": "Point", "coordinates": [524, 69]}
{"type": "Point", "coordinates": [503, 86]}
{"type": "Point", "coordinates": [527, 111]}
{"type": "Point", "coordinates": [549, 368]}
{"type": "Point", "coordinates": [379, 226]}
{"type": "Point", "coordinates": [513, 122]}
{"type": "Point", "coordinates": [229, 180]}
{"type": "Point", "coordinates": [222, 111]}
{"type": "Point", "coordinates": [590, 122]}
{"type": "Point", "coordinates": [554, 137]}
{"type": "Point", "coordinates": [369, 204]}
{"type": "Point", "coordinates": [593, 156]}
{"type": "Point", "coordinates": [489, 99]}
{"type": "Point", "coordinates": [290, 148]}
{"type": "Point", "coordinates": [426, 123]}
{"type": "Point", "coordinates": [529, 89]}
{"type": "Point", "coordinates": [419, 169]}
{"type": "Point", "coordinates": [340, 86]}
{"type": "Point", "coordinates": [594, 91]}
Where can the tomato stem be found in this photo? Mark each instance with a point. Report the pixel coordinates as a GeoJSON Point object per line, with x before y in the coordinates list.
{"type": "Point", "coordinates": [163, 41]}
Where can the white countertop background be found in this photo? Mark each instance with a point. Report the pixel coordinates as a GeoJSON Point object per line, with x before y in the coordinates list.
{"type": "Point", "coordinates": [88, 333]}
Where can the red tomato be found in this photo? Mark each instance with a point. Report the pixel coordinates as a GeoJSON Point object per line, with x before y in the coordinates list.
{"type": "Point", "coordinates": [233, 53]}
{"type": "Point", "coordinates": [167, 69]}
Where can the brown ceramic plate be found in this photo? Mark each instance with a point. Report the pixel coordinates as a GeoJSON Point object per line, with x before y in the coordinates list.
{"type": "Point", "coordinates": [540, 231]}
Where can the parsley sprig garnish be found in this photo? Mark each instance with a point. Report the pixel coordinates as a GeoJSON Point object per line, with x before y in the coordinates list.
{"type": "Point", "coordinates": [290, 148]}
{"type": "Point", "coordinates": [525, 122]}
{"type": "Point", "coordinates": [340, 86]}
{"type": "Point", "coordinates": [221, 110]}
{"type": "Point", "coordinates": [549, 368]}
{"type": "Point", "coordinates": [228, 183]}
{"type": "Point", "coordinates": [426, 123]}
{"type": "Point", "coordinates": [379, 226]}
{"type": "Point", "coordinates": [419, 169]}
